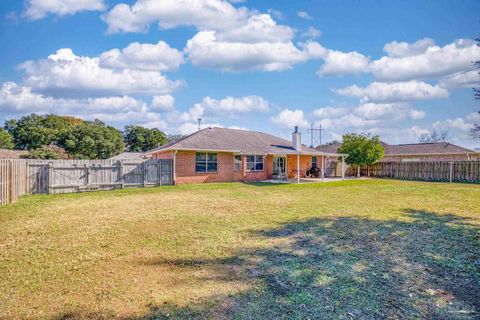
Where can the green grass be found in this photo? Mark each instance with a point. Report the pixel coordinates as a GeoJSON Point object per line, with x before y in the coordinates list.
{"type": "Point", "coordinates": [370, 249]}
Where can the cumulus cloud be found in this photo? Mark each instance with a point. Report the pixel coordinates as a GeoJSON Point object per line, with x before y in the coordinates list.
{"type": "Point", "coordinates": [15, 98]}
{"type": "Point", "coordinates": [202, 14]}
{"type": "Point", "coordinates": [66, 72]}
{"type": "Point", "coordinates": [236, 105]}
{"type": "Point", "coordinates": [289, 118]}
{"type": "Point", "coordinates": [339, 63]}
{"type": "Point", "coordinates": [205, 50]}
{"type": "Point", "coordinates": [469, 79]}
{"type": "Point", "coordinates": [163, 103]}
{"type": "Point", "coordinates": [397, 91]}
{"type": "Point", "coordinates": [327, 112]}
{"type": "Point", "coordinates": [304, 15]}
{"type": "Point", "coordinates": [38, 9]}
{"type": "Point", "coordinates": [392, 111]}
{"type": "Point", "coordinates": [425, 60]}
{"type": "Point", "coordinates": [154, 57]}
{"type": "Point", "coordinates": [404, 49]}
{"type": "Point", "coordinates": [312, 32]}
{"type": "Point", "coordinates": [228, 38]}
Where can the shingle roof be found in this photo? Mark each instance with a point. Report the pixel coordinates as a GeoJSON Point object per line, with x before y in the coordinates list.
{"type": "Point", "coordinates": [11, 154]}
{"type": "Point", "coordinates": [412, 149]}
{"type": "Point", "coordinates": [129, 156]}
{"type": "Point", "coordinates": [235, 140]}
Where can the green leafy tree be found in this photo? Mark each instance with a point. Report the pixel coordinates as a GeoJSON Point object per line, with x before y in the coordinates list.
{"type": "Point", "coordinates": [92, 140]}
{"type": "Point", "coordinates": [140, 139]}
{"type": "Point", "coordinates": [174, 137]}
{"type": "Point", "coordinates": [46, 152]}
{"type": "Point", "coordinates": [6, 140]}
{"type": "Point", "coordinates": [362, 149]}
{"type": "Point", "coordinates": [34, 131]}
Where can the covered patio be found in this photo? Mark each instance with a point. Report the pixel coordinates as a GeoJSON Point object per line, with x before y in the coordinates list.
{"type": "Point", "coordinates": [296, 166]}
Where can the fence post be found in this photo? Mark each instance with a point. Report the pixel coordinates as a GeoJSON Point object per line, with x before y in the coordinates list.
{"type": "Point", "coordinates": [451, 171]}
{"type": "Point", "coordinates": [122, 176]}
{"type": "Point", "coordinates": [145, 173]}
{"type": "Point", "coordinates": [9, 182]}
{"type": "Point", "coordinates": [50, 174]}
{"type": "Point", "coordinates": [87, 174]}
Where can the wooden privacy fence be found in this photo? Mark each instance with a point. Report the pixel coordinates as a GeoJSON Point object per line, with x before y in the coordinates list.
{"type": "Point", "coordinates": [65, 176]}
{"type": "Point", "coordinates": [451, 171]}
{"type": "Point", "coordinates": [13, 180]}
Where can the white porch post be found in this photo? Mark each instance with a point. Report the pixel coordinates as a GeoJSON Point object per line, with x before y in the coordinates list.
{"type": "Point", "coordinates": [323, 168]}
{"type": "Point", "coordinates": [343, 167]}
{"type": "Point", "coordinates": [298, 168]}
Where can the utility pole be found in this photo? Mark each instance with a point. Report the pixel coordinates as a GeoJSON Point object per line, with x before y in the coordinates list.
{"type": "Point", "coordinates": [199, 123]}
{"type": "Point", "coordinates": [315, 135]}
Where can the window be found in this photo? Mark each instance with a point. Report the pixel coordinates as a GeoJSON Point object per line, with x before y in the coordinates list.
{"type": "Point", "coordinates": [314, 161]}
{"type": "Point", "coordinates": [205, 162]}
{"type": "Point", "coordinates": [237, 163]}
{"type": "Point", "coordinates": [254, 163]}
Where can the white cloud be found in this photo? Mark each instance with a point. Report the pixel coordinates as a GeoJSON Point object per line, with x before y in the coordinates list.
{"type": "Point", "coordinates": [236, 105]}
{"type": "Point", "coordinates": [17, 99]}
{"type": "Point", "coordinates": [433, 62]}
{"type": "Point", "coordinates": [470, 79]}
{"type": "Point", "coordinates": [68, 73]}
{"type": "Point", "coordinates": [163, 103]}
{"type": "Point", "coordinates": [38, 9]}
{"type": "Point", "coordinates": [392, 111]}
{"type": "Point", "coordinates": [205, 50]}
{"type": "Point", "coordinates": [202, 14]}
{"type": "Point", "coordinates": [304, 15]}
{"type": "Point", "coordinates": [289, 118]}
{"type": "Point", "coordinates": [154, 57]}
{"type": "Point", "coordinates": [338, 63]}
{"type": "Point", "coordinates": [404, 49]}
{"type": "Point", "coordinates": [397, 91]}
{"type": "Point", "coordinates": [327, 112]}
{"type": "Point", "coordinates": [312, 32]}
{"type": "Point", "coordinates": [258, 28]}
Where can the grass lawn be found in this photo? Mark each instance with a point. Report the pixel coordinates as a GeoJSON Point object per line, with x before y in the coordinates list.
{"type": "Point", "coordinates": [371, 249]}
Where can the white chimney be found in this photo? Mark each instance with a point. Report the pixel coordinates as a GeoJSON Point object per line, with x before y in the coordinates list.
{"type": "Point", "coordinates": [297, 139]}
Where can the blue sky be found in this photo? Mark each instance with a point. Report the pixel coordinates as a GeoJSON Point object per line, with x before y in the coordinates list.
{"type": "Point", "coordinates": [398, 70]}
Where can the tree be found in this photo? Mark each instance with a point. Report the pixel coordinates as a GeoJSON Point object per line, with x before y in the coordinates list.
{"type": "Point", "coordinates": [434, 136]}
{"type": "Point", "coordinates": [362, 149]}
{"type": "Point", "coordinates": [35, 131]}
{"type": "Point", "coordinates": [175, 137]}
{"type": "Point", "coordinates": [6, 139]}
{"type": "Point", "coordinates": [92, 140]}
{"type": "Point", "coordinates": [46, 152]}
{"type": "Point", "coordinates": [140, 139]}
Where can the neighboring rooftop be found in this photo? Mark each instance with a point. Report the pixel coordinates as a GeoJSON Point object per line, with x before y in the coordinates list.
{"type": "Point", "coordinates": [235, 140]}
{"type": "Point", "coordinates": [129, 156]}
{"type": "Point", "coordinates": [412, 148]}
{"type": "Point", "coordinates": [11, 154]}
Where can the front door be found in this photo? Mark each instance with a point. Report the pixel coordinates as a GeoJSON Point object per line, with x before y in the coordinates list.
{"type": "Point", "coordinates": [279, 166]}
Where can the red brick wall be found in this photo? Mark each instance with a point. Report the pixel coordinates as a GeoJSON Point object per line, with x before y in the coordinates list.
{"type": "Point", "coordinates": [185, 168]}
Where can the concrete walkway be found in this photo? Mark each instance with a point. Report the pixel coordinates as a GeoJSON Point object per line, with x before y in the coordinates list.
{"type": "Point", "coordinates": [310, 180]}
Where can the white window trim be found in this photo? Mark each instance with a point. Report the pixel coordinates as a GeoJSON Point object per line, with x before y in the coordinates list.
{"type": "Point", "coordinates": [234, 163]}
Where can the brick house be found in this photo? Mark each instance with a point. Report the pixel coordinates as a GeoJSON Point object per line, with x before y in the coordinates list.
{"type": "Point", "coordinates": [220, 155]}
{"type": "Point", "coordinates": [438, 151]}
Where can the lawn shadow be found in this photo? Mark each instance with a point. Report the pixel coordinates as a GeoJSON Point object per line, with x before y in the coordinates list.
{"type": "Point", "coordinates": [425, 267]}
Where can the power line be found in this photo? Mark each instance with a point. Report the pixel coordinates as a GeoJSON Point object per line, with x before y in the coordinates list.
{"type": "Point", "coordinates": [461, 72]}
{"type": "Point", "coordinates": [315, 135]}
